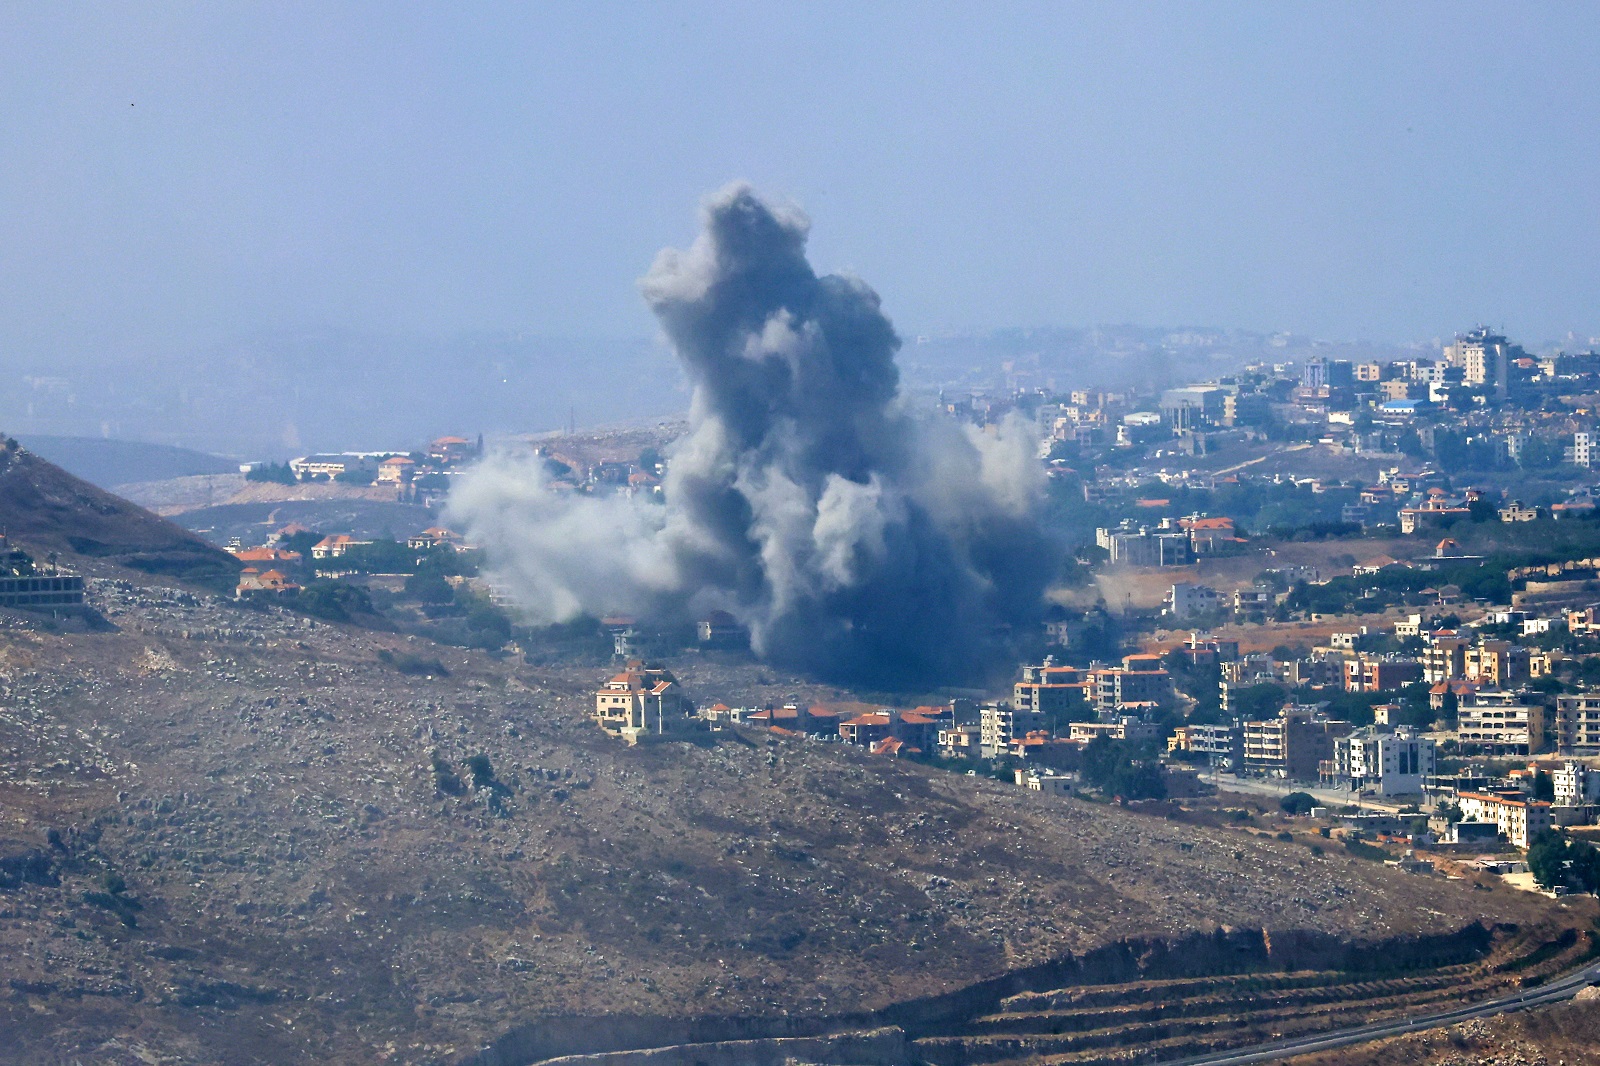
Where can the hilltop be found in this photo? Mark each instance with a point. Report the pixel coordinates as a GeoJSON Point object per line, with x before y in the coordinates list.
{"type": "Point", "coordinates": [237, 835]}
{"type": "Point", "coordinates": [45, 509]}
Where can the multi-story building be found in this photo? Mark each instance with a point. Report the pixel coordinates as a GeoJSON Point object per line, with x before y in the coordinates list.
{"type": "Point", "coordinates": [1583, 449]}
{"type": "Point", "coordinates": [1576, 785]}
{"type": "Point", "coordinates": [1140, 680]}
{"type": "Point", "coordinates": [1224, 744]}
{"type": "Point", "coordinates": [1445, 657]}
{"type": "Point", "coordinates": [641, 700]}
{"type": "Point", "coordinates": [1499, 723]}
{"type": "Point", "coordinates": [1578, 724]}
{"type": "Point", "coordinates": [1051, 690]}
{"type": "Point", "coordinates": [1124, 728]}
{"type": "Point", "coordinates": [1256, 599]}
{"type": "Point", "coordinates": [1388, 763]}
{"type": "Point", "coordinates": [1000, 723]}
{"type": "Point", "coordinates": [1293, 745]}
{"type": "Point", "coordinates": [1209, 651]}
{"type": "Point", "coordinates": [1193, 406]}
{"type": "Point", "coordinates": [1519, 820]}
{"type": "Point", "coordinates": [1485, 359]}
{"type": "Point", "coordinates": [1146, 547]}
{"type": "Point", "coordinates": [1380, 673]}
{"type": "Point", "coordinates": [1185, 598]}
{"type": "Point", "coordinates": [1496, 663]}
{"type": "Point", "coordinates": [961, 741]}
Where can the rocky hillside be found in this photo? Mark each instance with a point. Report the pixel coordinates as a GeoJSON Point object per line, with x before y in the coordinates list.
{"type": "Point", "coordinates": [1563, 1035]}
{"type": "Point", "coordinates": [45, 509]}
{"type": "Point", "coordinates": [233, 835]}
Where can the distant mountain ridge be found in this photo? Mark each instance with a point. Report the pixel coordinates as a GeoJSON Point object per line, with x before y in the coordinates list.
{"type": "Point", "coordinates": [108, 462]}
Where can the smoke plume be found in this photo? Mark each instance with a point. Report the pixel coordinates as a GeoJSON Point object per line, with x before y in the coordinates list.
{"type": "Point", "coordinates": [858, 541]}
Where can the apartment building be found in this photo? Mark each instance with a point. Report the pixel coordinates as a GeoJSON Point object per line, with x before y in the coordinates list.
{"type": "Point", "coordinates": [1445, 658]}
{"type": "Point", "coordinates": [1000, 723]}
{"type": "Point", "coordinates": [1224, 744]}
{"type": "Point", "coordinates": [1051, 690]}
{"type": "Point", "coordinates": [1293, 745]}
{"type": "Point", "coordinates": [1518, 820]}
{"type": "Point", "coordinates": [1380, 673]}
{"type": "Point", "coordinates": [1141, 679]}
{"type": "Point", "coordinates": [1576, 785]}
{"type": "Point", "coordinates": [1578, 724]}
{"type": "Point", "coordinates": [1389, 763]}
{"type": "Point", "coordinates": [1496, 663]}
{"type": "Point", "coordinates": [1500, 723]}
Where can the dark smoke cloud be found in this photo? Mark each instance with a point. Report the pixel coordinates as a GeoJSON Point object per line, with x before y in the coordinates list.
{"type": "Point", "coordinates": [858, 541]}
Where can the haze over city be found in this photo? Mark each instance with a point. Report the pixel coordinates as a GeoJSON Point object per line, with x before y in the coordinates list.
{"type": "Point", "coordinates": [178, 175]}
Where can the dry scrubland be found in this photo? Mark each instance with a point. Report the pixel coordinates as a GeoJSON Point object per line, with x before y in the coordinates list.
{"type": "Point", "coordinates": [1565, 1035]}
{"type": "Point", "coordinates": [303, 884]}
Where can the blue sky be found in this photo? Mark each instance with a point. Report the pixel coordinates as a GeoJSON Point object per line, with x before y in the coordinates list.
{"type": "Point", "coordinates": [1380, 171]}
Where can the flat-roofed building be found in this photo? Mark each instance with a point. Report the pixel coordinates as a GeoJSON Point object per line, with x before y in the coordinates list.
{"type": "Point", "coordinates": [1500, 723]}
{"type": "Point", "coordinates": [1293, 745]}
{"type": "Point", "coordinates": [1390, 763]}
{"type": "Point", "coordinates": [1445, 658]}
{"type": "Point", "coordinates": [1575, 785]}
{"type": "Point", "coordinates": [1518, 820]}
{"type": "Point", "coordinates": [1124, 728]}
{"type": "Point", "coordinates": [1051, 690]}
{"type": "Point", "coordinates": [1223, 744]}
{"type": "Point", "coordinates": [1494, 663]}
{"type": "Point", "coordinates": [1578, 724]}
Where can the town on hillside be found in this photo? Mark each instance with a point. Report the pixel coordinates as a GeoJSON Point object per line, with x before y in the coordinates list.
{"type": "Point", "coordinates": [1373, 584]}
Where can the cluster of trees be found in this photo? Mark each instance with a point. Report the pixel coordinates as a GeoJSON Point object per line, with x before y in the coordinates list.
{"type": "Point", "coordinates": [273, 473]}
{"type": "Point", "coordinates": [1396, 586]}
{"type": "Point", "coordinates": [1123, 769]}
{"type": "Point", "coordinates": [1557, 862]}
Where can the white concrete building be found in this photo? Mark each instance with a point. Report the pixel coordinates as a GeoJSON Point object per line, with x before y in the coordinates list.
{"type": "Point", "coordinates": [1519, 820]}
{"type": "Point", "coordinates": [1576, 785]}
{"type": "Point", "coordinates": [1186, 599]}
{"type": "Point", "coordinates": [1388, 763]}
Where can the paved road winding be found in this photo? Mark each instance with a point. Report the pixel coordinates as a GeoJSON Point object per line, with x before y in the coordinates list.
{"type": "Point", "coordinates": [1562, 988]}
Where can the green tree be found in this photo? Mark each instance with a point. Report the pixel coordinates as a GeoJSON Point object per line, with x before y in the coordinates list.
{"type": "Point", "coordinates": [1297, 803]}
{"type": "Point", "coordinates": [429, 586]}
{"type": "Point", "coordinates": [1121, 769]}
{"type": "Point", "coordinates": [271, 473]}
{"type": "Point", "coordinates": [335, 601]}
{"type": "Point", "coordinates": [1547, 856]}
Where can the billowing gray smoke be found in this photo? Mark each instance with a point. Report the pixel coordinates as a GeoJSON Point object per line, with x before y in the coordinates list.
{"type": "Point", "coordinates": [857, 541]}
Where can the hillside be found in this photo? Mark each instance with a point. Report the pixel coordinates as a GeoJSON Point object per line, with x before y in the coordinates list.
{"type": "Point", "coordinates": [45, 509]}
{"type": "Point", "coordinates": [1563, 1035]}
{"type": "Point", "coordinates": [237, 836]}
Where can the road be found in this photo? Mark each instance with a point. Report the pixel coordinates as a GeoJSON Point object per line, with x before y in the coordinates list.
{"type": "Point", "coordinates": [1560, 989]}
{"type": "Point", "coordinates": [1324, 796]}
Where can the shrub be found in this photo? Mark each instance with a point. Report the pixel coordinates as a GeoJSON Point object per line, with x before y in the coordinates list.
{"type": "Point", "coordinates": [1297, 803]}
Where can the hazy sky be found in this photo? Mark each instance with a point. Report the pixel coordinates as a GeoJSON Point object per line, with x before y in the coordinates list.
{"type": "Point", "coordinates": [1387, 171]}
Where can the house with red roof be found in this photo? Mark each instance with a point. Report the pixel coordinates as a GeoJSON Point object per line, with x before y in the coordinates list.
{"type": "Point", "coordinates": [256, 584]}
{"type": "Point", "coordinates": [641, 701]}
